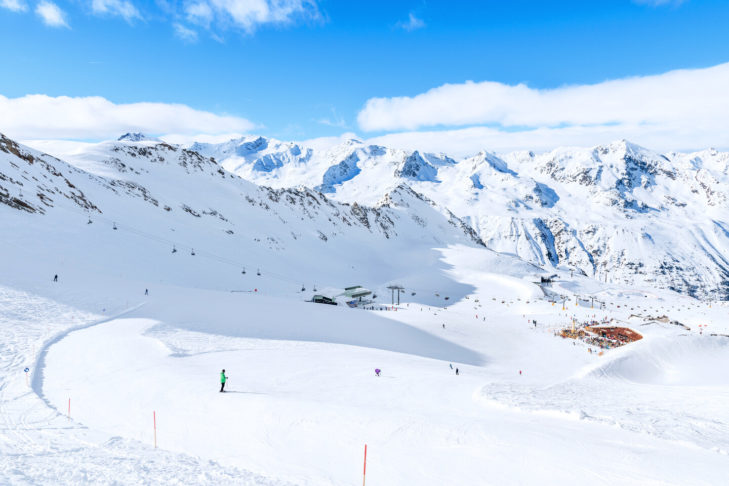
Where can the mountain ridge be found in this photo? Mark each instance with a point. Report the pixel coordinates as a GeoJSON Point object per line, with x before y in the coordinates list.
{"type": "Point", "coordinates": [615, 212]}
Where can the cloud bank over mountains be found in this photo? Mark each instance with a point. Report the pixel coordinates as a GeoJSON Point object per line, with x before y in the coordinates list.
{"type": "Point", "coordinates": [95, 117]}
{"type": "Point", "coordinates": [678, 109]}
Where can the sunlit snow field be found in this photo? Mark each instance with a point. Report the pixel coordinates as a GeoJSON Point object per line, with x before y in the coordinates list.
{"type": "Point", "coordinates": [303, 398]}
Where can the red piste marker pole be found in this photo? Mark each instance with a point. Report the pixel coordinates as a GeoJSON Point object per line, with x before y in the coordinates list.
{"type": "Point", "coordinates": [154, 421]}
{"type": "Point", "coordinates": [364, 471]}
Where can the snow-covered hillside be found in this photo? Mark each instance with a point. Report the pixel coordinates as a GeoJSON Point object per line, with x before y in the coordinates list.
{"type": "Point", "coordinates": [617, 213]}
{"type": "Point", "coordinates": [174, 198]}
{"type": "Point", "coordinates": [133, 271]}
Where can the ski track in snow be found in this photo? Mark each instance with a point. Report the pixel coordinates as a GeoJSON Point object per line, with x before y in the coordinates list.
{"type": "Point", "coordinates": [40, 445]}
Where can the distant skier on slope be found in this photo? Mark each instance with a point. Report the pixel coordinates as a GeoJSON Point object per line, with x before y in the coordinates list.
{"type": "Point", "coordinates": [223, 379]}
{"type": "Point", "coordinates": [55, 278]}
{"type": "Point", "coordinates": [146, 291]}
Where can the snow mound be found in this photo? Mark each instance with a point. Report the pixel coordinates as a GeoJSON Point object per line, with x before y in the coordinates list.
{"type": "Point", "coordinates": [682, 360]}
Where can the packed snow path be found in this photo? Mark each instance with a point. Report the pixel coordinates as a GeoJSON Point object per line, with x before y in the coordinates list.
{"type": "Point", "coordinates": [40, 445]}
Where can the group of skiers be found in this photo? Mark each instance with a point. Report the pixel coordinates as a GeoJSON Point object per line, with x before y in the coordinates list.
{"type": "Point", "coordinates": [224, 378]}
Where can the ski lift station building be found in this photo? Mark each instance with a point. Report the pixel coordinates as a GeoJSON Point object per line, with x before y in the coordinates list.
{"type": "Point", "coordinates": [356, 292]}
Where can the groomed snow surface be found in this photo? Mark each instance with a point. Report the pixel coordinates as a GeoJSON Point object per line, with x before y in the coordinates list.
{"type": "Point", "coordinates": [303, 398]}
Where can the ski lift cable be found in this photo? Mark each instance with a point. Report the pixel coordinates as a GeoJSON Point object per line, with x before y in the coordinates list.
{"type": "Point", "coordinates": [204, 253]}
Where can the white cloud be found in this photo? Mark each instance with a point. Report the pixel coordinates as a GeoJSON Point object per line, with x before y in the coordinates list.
{"type": "Point", "coordinates": [14, 5]}
{"type": "Point", "coordinates": [199, 13]}
{"type": "Point", "coordinates": [122, 8]}
{"type": "Point", "coordinates": [699, 95]}
{"type": "Point", "coordinates": [678, 106]}
{"type": "Point", "coordinates": [250, 14]}
{"type": "Point", "coordinates": [184, 33]}
{"type": "Point", "coordinates": [412, 23]}
{"type": "Point", "coordinates": [51, 14]}
{"type": "Point", "coordinates": [41, 116]}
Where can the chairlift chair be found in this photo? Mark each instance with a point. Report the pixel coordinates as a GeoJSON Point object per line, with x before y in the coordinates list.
{"type": "Point", "coordinates": [258, 272]}
{"type": "Point", "coordinates": [192, 252]}
{"type": "Point", "coordinates": [174, 250]}
{"type": "Point", "coordinates": [115, 225]}
{"type": "Point", "coordinates": [244, 271]}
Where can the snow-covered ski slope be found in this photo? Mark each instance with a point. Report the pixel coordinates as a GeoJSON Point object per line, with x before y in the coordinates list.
{"type": "Point", "coordinates": [303, 397]}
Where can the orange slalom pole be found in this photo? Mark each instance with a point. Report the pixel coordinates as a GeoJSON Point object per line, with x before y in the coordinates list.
{"type": "Point", "coordinates": [364, 471]}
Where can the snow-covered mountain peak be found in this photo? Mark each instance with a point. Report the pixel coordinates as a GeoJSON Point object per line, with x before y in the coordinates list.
{"type": "Point", "coordinates": [137, 137]}
{"type": "Point", "coordinates": [491, 161]}
{"type": "Point", "coordinates": [416, 168]}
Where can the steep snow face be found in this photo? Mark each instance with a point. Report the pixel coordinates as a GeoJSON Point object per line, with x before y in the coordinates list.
{"type": "Point", "coordinates": [34, 182]}
{"type": "Point", "coordinates": [417, 168]}
{"type": "Point", "coordinates": [616, 212]}
{"type": "Point", "coordinates": [340, 173]}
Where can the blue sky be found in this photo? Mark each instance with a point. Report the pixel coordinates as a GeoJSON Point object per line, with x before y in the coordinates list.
{"type": "Point", "coordinates": [308, 70]}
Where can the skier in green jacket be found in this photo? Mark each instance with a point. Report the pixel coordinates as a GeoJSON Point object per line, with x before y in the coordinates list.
{"type": "Point", "coordinates": [223, 379]}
